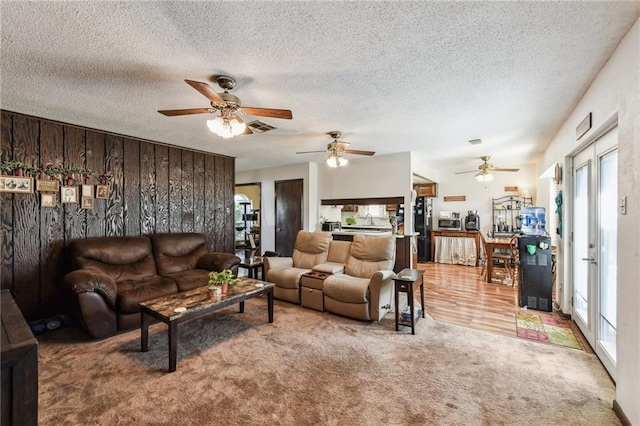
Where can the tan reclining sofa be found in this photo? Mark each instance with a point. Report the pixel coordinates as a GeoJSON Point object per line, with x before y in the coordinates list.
{"type": "Point", "coordinates": [351, 279]}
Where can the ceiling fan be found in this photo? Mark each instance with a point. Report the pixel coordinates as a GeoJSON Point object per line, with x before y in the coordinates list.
{"type": "Point", "coordinates": [484, 169]}
{"type": "Point", "coordinates": [228, 123]}
{"type": "Point", "coordinates": [336, 149]}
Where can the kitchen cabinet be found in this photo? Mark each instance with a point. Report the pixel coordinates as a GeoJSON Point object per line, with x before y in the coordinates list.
{"type": "Point", "coordinates": [392, 207]}
{"type": "Point", "coordinates": [349, 208]}
{"type": "Point", "coordinates": [426, 189]}
{"type": "Point", "coordinates": [505, 214]}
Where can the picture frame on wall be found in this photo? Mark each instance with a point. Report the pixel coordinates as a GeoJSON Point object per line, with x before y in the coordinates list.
{"type": "Point", "coordinates": [48, 199]}
{"type": "Point", "coordinates": [69, 194]}
{"type": "Point", "coordinates": [87, 203]}
{"type": "Point", "coordinates": [16, 184]}
{"type": "Point", "coordinates": [102, 192]}
{"type": "Point", "coordinates": [87, 191]}
{"type": "Point", "coordinates": [47, 185]}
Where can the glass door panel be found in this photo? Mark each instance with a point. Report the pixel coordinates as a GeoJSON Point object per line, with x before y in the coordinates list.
{"type": "Point", "coordinates": [608, 209]}
{"type": "Point", "coordinates": [582, 248]}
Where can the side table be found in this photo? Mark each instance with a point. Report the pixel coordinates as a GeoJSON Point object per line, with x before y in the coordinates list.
{"type": "Point", "coordinates": [253, 265]}
{"type": "Point", "coordinates": [405, 281]}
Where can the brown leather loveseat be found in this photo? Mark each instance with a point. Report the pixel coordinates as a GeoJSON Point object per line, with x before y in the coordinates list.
{"type": "Point", "coordinates": [110, 276]}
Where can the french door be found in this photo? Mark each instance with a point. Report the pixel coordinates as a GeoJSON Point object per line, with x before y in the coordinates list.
{"type": "Point", "coordinates": [595, 227]}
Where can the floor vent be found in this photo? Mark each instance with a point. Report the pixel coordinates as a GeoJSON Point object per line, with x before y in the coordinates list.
{"type": "Point", "coordinates": [259, 126]}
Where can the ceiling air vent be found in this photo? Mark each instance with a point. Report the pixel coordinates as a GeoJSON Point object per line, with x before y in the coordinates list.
{"type": "Point", "coordinates": [259, 126]}
{"type": "Point", "coordinates": [475, 141]}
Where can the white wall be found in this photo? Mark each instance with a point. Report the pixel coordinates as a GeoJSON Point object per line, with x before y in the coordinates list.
{"type": "Point", "coordinates": [378, 176]}
{"type": "Point", "coordinates": [479, 194]}
{"type": "Point", "coordinates": [616, 91]}
{"type": "Point", "coordinates": [267, 178]}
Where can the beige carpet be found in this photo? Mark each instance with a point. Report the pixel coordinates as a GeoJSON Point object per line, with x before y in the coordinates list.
{"type": "Point", "coordinates": [310, 368]}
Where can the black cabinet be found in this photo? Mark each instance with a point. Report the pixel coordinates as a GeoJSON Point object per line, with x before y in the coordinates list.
{"type": "Point", "coordinates": [534, 254]}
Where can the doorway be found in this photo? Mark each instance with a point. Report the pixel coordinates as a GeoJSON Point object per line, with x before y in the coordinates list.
{"type": "Point", "coordinates": [289, 202]}
{"type": "Point", "coordinates": [594, 251]}
{"type": "Point", "coordinates": [247, 200]}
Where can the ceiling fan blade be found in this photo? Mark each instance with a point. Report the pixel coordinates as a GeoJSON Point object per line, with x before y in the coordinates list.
{"type": "Point", "coordinates": [359, 152]}
{"type": "Point", "coordinates": [499, 169]}
{"type": "Point", "coordinates": [207, 91]}
{"type": "Point", "coordinates": [310, 152]}
{"type": "Point", "coordinates": [268, 112]}
{"type": "Point", "coordinates": [468, 171]}
{"type": "Point", "coordinates": [174, 112]}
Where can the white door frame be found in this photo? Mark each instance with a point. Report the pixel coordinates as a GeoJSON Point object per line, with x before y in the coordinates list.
{"type": "Point", "coordinates": [568, 292]}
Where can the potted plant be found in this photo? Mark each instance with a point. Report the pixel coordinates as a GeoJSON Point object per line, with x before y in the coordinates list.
{"type": "Point", "coordinates": [222, 280]}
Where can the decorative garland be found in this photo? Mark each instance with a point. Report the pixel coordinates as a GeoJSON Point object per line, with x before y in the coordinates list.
{"type": "Point", "coordinates": [18, 168]}
{"type": "Point", "coordinates": [60, 181]}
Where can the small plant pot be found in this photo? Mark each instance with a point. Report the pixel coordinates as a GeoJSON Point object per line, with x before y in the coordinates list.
{"type": "Point", "coordinates": [224, 287]}
{"type": "Point", "coordinates": [215, 291]}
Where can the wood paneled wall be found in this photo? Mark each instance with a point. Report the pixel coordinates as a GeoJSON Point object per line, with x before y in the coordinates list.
{"type": "Point", "coordinates": [155, 188]}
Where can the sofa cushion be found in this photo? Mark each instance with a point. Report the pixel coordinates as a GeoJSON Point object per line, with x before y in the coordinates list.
{"type": "Point", "coordinates": [141, 289]}
{"type": "Point", "coordinates": [329, 268]}
{"type": "Point", "coordinates": [311, 249]}
{"type": "Point", "coordinates": [121, 258]}
{"type": "Point", "coordinates": [286, 277]}
{"type": "Point", "coordinates": [178, 252]}
{"type": "Point", "coordinates": [188, 280]}
{"type": "Point", "coordinates": [338, 251]}
{"type": "Point", "coordinates": [370, 254]}
{"type": "Point", "coordinates": [346, 288]}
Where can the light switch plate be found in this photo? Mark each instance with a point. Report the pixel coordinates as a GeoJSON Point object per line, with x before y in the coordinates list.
{"type": "Point", "coordinates": [623, 205]}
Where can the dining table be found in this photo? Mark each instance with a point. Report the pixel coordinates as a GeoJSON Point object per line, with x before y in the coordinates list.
{"type": "Point", "coordinates": [492, 244]}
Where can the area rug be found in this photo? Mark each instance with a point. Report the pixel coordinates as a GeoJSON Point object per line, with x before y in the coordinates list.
{"type": "Point", "coordinates": [316, 368]}
{"type": "Point", "coordinates": [546, 329]}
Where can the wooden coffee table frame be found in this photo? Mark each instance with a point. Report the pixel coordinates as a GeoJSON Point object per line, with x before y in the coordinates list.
{"type": "Point", "coordinates": [199, 303]}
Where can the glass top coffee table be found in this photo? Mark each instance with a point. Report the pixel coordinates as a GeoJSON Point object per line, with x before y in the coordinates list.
{"type": "Point", "coordinates": [196, 303]}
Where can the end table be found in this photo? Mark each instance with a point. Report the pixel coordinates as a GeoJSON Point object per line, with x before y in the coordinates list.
{"type": "Point", "coordinates": [253, 265]}
{"type": "Point", "coordinates": [405, 281]}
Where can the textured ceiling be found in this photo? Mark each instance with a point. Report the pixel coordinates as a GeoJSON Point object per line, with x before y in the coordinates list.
{"type": "Point", "coordinates": [393, 77]}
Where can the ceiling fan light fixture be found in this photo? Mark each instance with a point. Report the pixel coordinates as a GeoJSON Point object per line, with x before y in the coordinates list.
{"type": "Point", "coordinates": [227, 127]}
{"type": "Point", "coordinates": [332, 160]}
{"type": "Point", "coordinates": [484, 177]}
{"type": "Point", "coordinates": [336, 160]}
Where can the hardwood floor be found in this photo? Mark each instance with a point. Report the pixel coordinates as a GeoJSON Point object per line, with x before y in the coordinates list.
{"type": "Point", "coordinates": [458, 295]}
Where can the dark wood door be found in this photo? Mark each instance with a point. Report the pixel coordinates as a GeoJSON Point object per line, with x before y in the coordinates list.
{"type": "Point", "coordinates": [288, 214]}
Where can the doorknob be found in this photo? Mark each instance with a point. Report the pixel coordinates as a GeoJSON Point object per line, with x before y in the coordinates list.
{"type": "Point", "coordinates": [278, 229]}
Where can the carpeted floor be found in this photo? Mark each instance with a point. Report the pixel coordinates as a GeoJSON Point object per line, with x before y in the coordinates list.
{"type": "Point", "coordinates": [310, 368]}
{"type": "Point", "coordinates": [547, 329]}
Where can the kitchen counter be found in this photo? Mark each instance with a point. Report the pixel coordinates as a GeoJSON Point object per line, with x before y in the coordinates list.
{"type": "Point", "coordinates": [374, 233]}
{"type": "Point", "coordinates": [405, 257]}
{"type": "Point", "coordinates": [367, 227]}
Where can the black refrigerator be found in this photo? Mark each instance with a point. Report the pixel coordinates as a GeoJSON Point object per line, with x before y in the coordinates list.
{"type": "Point", "coordinates": [422, 223]}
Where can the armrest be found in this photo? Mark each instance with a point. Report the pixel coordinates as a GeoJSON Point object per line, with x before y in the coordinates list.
{"type": "Point", "coordinates": [277, 262]}
{"type": "Point", "coordinates": [219, 261]}
{"type": "Point", "coordinates": [269, 262]}
{"type": "Point", "coordinates": [87, 280]}
{"type": "Point", "coordinates": [380, 282]}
